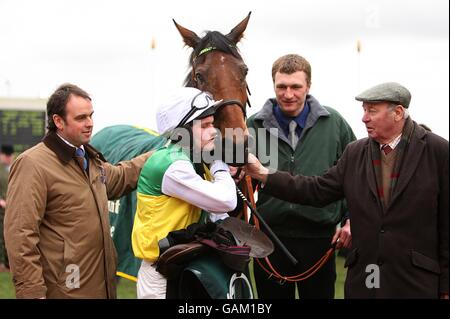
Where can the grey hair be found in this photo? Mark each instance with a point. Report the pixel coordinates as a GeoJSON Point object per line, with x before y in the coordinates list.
{"type": "Point", "coordinates": [392, 106]}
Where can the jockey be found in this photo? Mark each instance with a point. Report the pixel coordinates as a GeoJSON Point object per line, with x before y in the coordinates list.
{"type": "Point", "coordinates": [172, 190]}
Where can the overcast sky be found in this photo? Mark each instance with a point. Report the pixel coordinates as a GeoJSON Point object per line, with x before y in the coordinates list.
{"type": "Point", "coordinates": [104, 47]}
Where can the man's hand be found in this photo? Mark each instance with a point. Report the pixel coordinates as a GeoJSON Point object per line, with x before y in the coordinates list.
{"type": "Point", "coordinates": [2, 203]}
{"type": "Point", "coordinates": [255, 169]}
{"type": "Point", "coordinates": [343, 236]}
{"type": "Point", "coordinates": [236, 173]}
{"type": "Point", "coordinates": [444, 295]}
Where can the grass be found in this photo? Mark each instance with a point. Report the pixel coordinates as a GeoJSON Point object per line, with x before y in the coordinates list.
{"type": "Point", "coordinates": [126, 289]}
{"type": "Point", "coordinates": [340, 279]}
{"type": "Point", "coordinates": [6, 286]}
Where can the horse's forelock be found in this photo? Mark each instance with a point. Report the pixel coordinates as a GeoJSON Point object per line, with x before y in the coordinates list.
{"type": "Point", "coordinates": [213, 39]}
{"type": "Point", "coordinates": [218, 41]}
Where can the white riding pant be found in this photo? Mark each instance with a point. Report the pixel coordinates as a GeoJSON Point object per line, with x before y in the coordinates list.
{"type": "Point", "coordinates": [151, 284]}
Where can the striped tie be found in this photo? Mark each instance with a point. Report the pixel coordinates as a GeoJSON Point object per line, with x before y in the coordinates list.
{"type": "Point", "coordinates": [79, 153]}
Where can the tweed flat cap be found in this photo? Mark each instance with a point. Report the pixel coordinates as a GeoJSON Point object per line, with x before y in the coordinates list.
{"type": "Point", "coordinates": [386, 92]}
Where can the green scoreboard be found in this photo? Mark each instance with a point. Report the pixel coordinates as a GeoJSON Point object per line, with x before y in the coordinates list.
{"type": "Point", "coordinates": [21, 127]}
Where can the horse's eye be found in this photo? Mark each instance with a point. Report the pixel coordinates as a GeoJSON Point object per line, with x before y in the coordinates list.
{"type": "Point", "coordinates": [199, 78]}
{"type": "Point", "coordinates": [244, 74]}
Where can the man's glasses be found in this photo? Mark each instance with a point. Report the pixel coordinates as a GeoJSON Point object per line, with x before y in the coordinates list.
{"type": "Point", "coordinates": [201, 101]}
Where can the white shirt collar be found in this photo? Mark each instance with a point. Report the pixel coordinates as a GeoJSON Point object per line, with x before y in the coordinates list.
{"type": "Point", "coordinates": [68, 143]}
{"type": "Point", "coordinates": [393, 143]}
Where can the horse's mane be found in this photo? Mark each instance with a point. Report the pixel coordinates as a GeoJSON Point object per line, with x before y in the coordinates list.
{"type": "Point", "coordinates": [211, 39]}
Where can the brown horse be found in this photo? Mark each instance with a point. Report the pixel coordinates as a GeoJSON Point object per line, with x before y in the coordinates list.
{"type": "Point", "coordinates": [218, 67]}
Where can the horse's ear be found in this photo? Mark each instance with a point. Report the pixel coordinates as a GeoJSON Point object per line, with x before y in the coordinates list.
{"type": "Point", "coordinates": [189, 37]}
{"type": "Point", "coordinates": [237, 32]}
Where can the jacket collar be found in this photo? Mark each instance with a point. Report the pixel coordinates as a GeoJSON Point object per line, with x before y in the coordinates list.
{"type": "Point", "coordinates": [269, 121]}
{"type": "Point", "coordinates": [370, 171]}
{"type": "Point", "coordinates": [411, 159]}
{"type": "Point", "coordinates": [66, 152]}
{"type": "Point", "coordinates": [413, 156]}
{"type": "Point", "coordinates": [316, 111]}
{"type": "Point", "coordinates": [284, 120]}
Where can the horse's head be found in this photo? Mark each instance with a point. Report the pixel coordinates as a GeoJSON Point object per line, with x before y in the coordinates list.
{"type": "Point", "coordinates": [217, 67]}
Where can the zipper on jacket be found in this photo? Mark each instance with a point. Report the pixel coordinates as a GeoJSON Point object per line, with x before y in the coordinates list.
{"type": "Point", "coordinates": [292, 163]}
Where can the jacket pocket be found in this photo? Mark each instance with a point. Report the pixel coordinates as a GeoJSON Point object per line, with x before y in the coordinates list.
{"type": "Point", "coordinates": [67, 265]}
{"type": "Point", "coordinates": [352, 257]}
{"type": "Point", "coordinates": [425, 262]}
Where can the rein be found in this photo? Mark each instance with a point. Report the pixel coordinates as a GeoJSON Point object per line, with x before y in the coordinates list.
{"type": "Point", "coordinates": [268, 267]}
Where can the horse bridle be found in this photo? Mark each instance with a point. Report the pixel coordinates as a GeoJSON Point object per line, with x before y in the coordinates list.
{"type": "Point", "coordinates": [231, 102]}
{"type": "Point", "coordinates": [224, 102]}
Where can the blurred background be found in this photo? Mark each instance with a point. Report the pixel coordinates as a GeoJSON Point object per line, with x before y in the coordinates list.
{"type": "Point", "coordinates": [128, 54]}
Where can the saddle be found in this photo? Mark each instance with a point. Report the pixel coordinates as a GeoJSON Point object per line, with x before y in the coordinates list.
{"type": "Point", "coordinates": [233, 241]}
{"type": "Point", "coordinates": [172, 261]}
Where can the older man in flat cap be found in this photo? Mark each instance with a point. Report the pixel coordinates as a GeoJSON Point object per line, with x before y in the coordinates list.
{"type": "Point", "coordinates": [396, 186]}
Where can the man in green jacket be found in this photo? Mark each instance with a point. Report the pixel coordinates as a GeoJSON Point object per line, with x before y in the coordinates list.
{"type": "Point", "coordinates": [310, 138]}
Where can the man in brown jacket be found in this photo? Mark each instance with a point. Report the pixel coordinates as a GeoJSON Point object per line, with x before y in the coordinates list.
{"type": "Point", "coordinates": [6, 159]}
{"type": "Point", "coordinates": [57, 229]}
{"type": "Point", "coordinates": [396, 186]}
